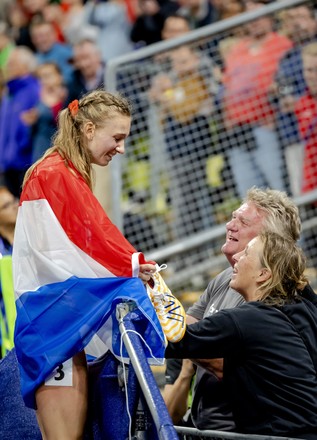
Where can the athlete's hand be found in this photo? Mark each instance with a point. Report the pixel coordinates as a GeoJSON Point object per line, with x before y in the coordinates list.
{"type": "Point", "coordinates": [146, 271]}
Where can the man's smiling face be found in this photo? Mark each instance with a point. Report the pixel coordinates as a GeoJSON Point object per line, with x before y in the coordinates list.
{"type": "Point", "coordinates": [245, 224]}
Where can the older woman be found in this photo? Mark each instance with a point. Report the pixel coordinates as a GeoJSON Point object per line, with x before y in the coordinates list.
{"type": "Point", "coordinates": [269, 344]}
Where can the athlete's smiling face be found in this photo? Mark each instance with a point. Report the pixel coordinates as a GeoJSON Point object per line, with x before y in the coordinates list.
{"type": "Point", "coordinates": [105, 142]}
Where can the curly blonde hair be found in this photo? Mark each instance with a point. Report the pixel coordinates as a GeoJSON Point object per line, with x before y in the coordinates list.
{"type": "Point", "coordinates": [281, 215]}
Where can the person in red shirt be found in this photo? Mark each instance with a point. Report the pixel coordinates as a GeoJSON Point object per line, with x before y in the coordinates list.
{"type": "Point", "coordinates": [254, 153]}
{"type": "Point", "coordinates": [306, 113]}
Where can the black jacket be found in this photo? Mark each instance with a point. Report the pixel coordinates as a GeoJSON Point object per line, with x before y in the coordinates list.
{"type": "Point", "coordinates": [270, 362]}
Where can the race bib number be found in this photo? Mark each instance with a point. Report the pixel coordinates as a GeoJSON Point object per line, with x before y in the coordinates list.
{"type": "Point", "coordinates": [62, 376]}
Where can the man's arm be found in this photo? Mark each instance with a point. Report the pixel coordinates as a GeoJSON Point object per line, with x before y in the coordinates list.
{"type": "Point", "coordinates": [176, 395]}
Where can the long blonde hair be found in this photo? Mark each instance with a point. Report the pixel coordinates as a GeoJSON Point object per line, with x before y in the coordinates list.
{"type": "Point", "coordinates": [286, 263]}
{"type": "Point", "coordinates": [68, 141]}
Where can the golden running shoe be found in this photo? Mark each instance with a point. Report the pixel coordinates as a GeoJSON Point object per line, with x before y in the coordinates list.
{"type": "Point", "coordinates": [169, 310]}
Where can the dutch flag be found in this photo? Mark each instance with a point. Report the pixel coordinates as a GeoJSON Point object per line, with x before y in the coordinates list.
{"type": "Point", "coordinates": [71, 267]}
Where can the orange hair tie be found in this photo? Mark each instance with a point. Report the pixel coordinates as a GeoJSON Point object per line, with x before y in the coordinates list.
{"type": "Point", "coordinates": [73, 107]}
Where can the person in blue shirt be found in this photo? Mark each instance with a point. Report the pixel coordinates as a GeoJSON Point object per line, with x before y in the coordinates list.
{"type": "Point", "coordinates": [48, 48]}
{"type": "Point", "coordinates": [22, 93]}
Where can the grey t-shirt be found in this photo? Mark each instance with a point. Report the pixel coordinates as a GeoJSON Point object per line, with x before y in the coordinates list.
{"type": "Point", "coordinates": [210, 408]}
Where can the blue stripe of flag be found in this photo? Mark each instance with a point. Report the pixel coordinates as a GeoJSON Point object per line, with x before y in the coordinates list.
{"type": "Point", "coordinates": [58, 320]}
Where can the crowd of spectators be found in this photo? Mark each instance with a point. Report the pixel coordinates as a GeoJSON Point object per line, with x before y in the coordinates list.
{"type": "Point", "coordinates": [71, 40]}
{"type": "Point", "coordinates": [254, 84]}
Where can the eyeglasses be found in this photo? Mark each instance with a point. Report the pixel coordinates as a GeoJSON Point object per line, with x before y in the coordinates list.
{"type": "Point", "coordinates": [9, 203]}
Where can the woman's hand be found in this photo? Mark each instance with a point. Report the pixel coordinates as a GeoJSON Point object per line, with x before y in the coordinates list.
{"type": "Point", "coordinates": [146, 271]}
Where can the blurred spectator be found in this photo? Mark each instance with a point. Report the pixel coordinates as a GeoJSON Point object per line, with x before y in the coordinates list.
{"type": "Point", "coordinates": [4, 7]}
{"type": "Point", "coordinates": [72, 18]}
{"type": "Point", "coordinates": [88, 69]}
{"type": "Point", "coordinates": [18, 21]}
{"type": "Point", "coordinates": [2, 84]}
{"type": "Point", "coordinates": [22, 14]}
{"type": "Point", "coordinates": [174, 26]}
{"type": "Point", "coordinates": [147, 28]}
{"type": "Point", "coordinates": [47, 47]}
{"type": "Point", "coordinates": [6, 44]}
{"type": "Point", "coordinates": [199, 12]}
{"type": "Point", "coordinates": [43, 118]}
{"type": "Point", "coordinates": [54, 14]}
{"type": "Point", "coordinates": [254, 153]}
{"type": "Point", "coordinates": [306, 113]}
{"type": "Point", "coordinates": [229, 9]}
{"type": "Point", "coordinates": [184, 99]}
{"type": "Point", "coordinates": [111, 20]}
{"type": "Point", "coordinates": [23, 93]}
{"type": "Point", "coordinates": [24, 11]}
{"type": "Point", "coordinates": [299, 24]}
{"type": "Point", "coordinates": [8, 215]}
{"type": "Point", "coordinates": [74, 23]}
